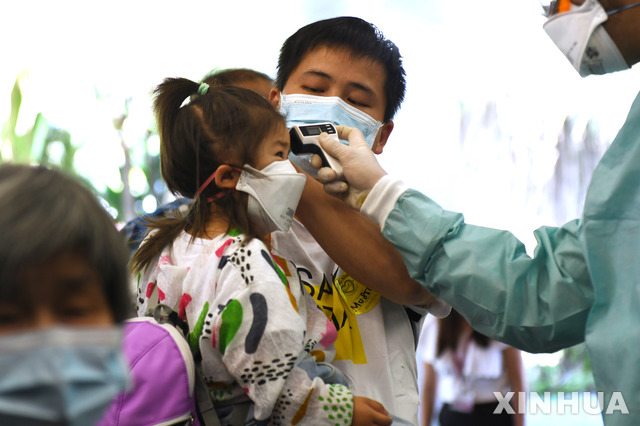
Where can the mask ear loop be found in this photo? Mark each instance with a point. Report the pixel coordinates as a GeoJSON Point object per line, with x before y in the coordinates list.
{"type": "Point", "coordinates": [208, 181]}
{"type": "Point", "coordinates": [623, 8]}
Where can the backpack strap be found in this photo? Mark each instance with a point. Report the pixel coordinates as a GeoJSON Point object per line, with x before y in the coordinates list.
{"type": "Point", "coordinates": [165, 315]}
{"type": "Point", "coordinates": [205, 407]}
{"type": "Point", "coordinates": [206, 410]}
{"type": "Point", "coordinates": [239, 414]}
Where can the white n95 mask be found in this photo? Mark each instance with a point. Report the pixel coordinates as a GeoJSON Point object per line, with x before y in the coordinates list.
{"type": "Point", "coordinates": [579, 34]}
{"type": "Point", "coordinates": [274, 193]}
{"type": "Point", "coordinates": [307, 109]}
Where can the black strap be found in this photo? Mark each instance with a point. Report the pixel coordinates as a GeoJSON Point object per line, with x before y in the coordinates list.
{"type": "Point", "coordinates": [415, 319]}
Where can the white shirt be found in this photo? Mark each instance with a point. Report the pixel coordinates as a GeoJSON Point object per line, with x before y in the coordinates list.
{"type": "Point", "coordinates": [382, 364]}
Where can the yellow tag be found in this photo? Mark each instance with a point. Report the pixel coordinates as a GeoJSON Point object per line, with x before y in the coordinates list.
{"type": "Point", "coordinates": [349, 342]}
{"type": "Point", "coordinates": [349, 300]}
{"type": "Point", "coordinates": [334, 305]}
{"type": "Point", "coordinates": [358, 298]}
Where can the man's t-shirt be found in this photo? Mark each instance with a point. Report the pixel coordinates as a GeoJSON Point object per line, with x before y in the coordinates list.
{"type": "Point", "coordinates": [376, 345]}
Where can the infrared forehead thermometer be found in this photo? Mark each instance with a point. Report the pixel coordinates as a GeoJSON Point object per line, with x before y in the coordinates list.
{"type": "Point", "coordinates": [304, 140]}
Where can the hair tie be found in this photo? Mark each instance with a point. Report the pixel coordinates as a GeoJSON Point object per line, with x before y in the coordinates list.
{"type": "Point", "coordinates": [204, 87]}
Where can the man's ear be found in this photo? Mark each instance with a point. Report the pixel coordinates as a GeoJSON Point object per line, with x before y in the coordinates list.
{"type": "Point", "coordinates": [274, 97]}
{"type": "Point", "coordinates": [385, 131]}
{"type": "Point", "coordinates": [227, 177]}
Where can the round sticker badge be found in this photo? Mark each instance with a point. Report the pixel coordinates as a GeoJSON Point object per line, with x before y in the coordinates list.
{"type": "Point", "coordinates": [358, 298]}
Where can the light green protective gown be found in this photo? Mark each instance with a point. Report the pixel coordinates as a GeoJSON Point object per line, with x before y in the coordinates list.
{"type": "Point", "coordinates": [582, 284]}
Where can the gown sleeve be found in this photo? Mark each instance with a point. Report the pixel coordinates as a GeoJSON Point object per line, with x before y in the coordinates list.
{"type": "Point", "coordinates": [538, 304]}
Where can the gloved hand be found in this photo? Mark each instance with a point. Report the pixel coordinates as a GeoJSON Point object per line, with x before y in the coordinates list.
{"type": "Point", "coordinates": [360, 167]}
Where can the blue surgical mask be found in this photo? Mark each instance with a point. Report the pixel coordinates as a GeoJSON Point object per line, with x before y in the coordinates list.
{"type": "Point", "coordinates": [60, 376]}
{"type": "Point", "coordinates": [308, 109]}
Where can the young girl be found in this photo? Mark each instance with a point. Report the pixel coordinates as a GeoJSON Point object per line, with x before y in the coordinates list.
{"type": "Point", "coordinates": [254, 331]}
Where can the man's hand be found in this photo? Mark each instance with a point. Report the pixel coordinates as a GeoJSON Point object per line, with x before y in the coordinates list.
{"type": "Point", "coordinates": [369, 412]}
{"type": "Point", "coordinates": [360, 167]}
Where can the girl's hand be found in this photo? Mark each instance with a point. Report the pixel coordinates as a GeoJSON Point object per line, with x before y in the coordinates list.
{"type": "Point", "coordinates": [368, 412]}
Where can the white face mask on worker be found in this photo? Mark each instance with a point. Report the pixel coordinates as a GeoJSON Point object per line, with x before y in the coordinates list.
{"type": "Point", "coordinates": [579, 34]}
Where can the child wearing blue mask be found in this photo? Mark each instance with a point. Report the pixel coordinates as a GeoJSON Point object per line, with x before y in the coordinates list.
{"type": "Point", "coordinates": [63, 293]}
{"type": "Point", "coordinates": [255, 334]}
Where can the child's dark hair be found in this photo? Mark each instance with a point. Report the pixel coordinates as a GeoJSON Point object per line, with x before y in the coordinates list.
{"type": "Point", "coordinates": [234, 77]}
{"type": "Point", "coordinates": [355, 35]}
{"type": "Point", "coordinates": [198, 133]}
{"type": "Point", "coordinates": [45, 213]}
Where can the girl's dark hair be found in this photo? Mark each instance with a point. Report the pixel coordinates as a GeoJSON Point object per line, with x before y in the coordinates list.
{"type": "Point", "coordinates": [44, 213]}
{"type": "Point", "coordinates": [235, 77]}
{"type": "Point", "coordinates": [198, 133]}
{"type": "Point", "coordinates": [449, 331]}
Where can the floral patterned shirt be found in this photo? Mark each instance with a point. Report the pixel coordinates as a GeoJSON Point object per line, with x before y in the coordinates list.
{"type": "Point", "coordinates": [253, 325]}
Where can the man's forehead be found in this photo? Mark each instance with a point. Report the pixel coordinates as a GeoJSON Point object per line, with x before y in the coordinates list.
{"type": "Point", "coordinates": [345, 52]}
{"type": "Point", "coordinates": [353, 67]}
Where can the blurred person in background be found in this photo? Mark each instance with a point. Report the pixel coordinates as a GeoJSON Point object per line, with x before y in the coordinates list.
{"type": "Point", "coordinates": [63, 295]}
{"type": "Point", "coordinates": [462, 370]}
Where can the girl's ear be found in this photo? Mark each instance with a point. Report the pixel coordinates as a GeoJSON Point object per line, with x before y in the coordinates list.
{"type": "Point", "coordinates": [227, 176]}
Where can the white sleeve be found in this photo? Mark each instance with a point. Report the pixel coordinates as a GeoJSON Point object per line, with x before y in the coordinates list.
{"type": "Point", "coordinates": [382, 199]}
{"type": "Point", "coordinates": [427, 343]}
